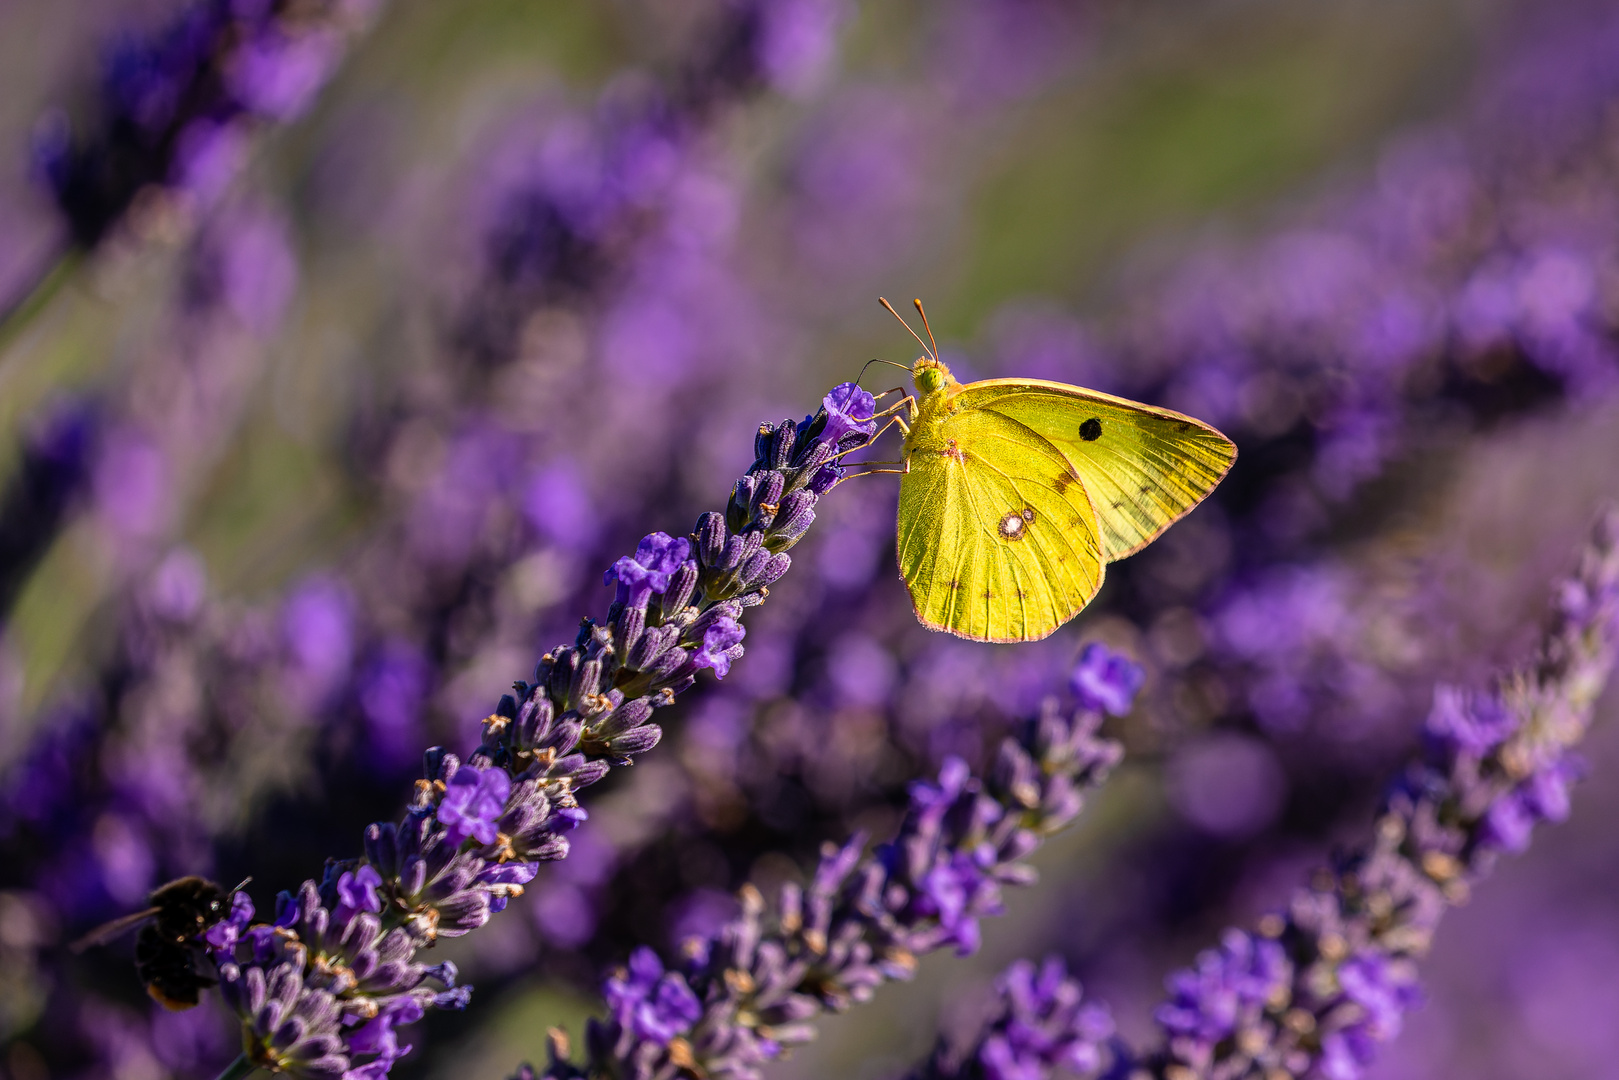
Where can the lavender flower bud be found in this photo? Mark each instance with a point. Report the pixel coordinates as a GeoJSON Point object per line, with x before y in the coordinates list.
{"type": "Point", "coordinates": [824, 477]}
{"type": "Point", "coordinates": [797, 514]}
{"type": "Point", "coordinates": [578, 771]}
{"type": "Point", "coordinates": [766, 498]}
{"type": "Point", "coordinates": [586, 681]}
{"type": "Point", "coordinates": [633, 742]}
{"type": "Point", "coordinates": [564, 667]}
{"type": "Point", "coordinates": [651, 647]}
{"type": "Point", "coordinates": [629, 715]}
{"type": "Point", "coordinates": [381, 847]}
{"type": "Point", "coordinates": [739, 510]}
{"type": "Point", "coordinates": [710, 534]}
{"type": "Point", "coordinates": [739, 548]}
{"type": "Point", "coordinates": [629, 623]}
{"type": "Point", "coordinates": [762, 441]}
{"type": "Point", "coordinates": [565, 734]}
{"type": "Point", "coordinates": [751, 570]}
{"type": "Point", "coordinates": [816, 455]}
{"type": "Point", "coordinates": [782, 441]}
{"type": "Point", "coordinates": [659, 670]}
{"type": "Point", "coordinates": [682, 583]}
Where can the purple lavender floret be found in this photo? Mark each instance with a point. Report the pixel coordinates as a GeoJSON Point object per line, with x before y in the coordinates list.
{"type": "Point", "coordinates": [650, 1002]}
{"type": "Point", "coordinates": [647, 572]}
{"type": "Point", "coordinates": [849, 408]}
{"type": "Point", "coordinates": [1224, 996]}
{"type": "Point", "coordinates": [472, 805]}
{"type": "Point", "coordinates": [1106, 681]}
{"type": "Point", "coordinates": [722, 642]}
{"type": "Point", "coordinates": [223, 935]}
{"type": "Point", "coordinates": [863, 920]}
{"type": "Point", "coordinates": [359, 890]}
{"type": "Point", "coordinates": [378, 1039]}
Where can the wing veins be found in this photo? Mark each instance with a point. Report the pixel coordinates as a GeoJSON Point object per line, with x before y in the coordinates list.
{"type": "Point", "coordinates": [1058, 608]}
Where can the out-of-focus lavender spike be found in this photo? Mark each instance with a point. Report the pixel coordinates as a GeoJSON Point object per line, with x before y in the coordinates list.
{"type": "Point", "coordinates": [176, 108]}
{"type": "Point", "coordinates": [127, 455]}
{"type": "Point", "coordinates": [561, 224]}
{"type": "Point", "coordinates": [865, 918]}
{"type": "Point", "coordinates": [1320, 984]}
{"type": "Point", "coordinates": [52, 475]}
{"type": "Point", "coordinates": [320, 991]}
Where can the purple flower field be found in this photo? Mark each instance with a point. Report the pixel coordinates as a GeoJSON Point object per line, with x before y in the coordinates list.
{"type": "Point", "coordinates": [430, 497]}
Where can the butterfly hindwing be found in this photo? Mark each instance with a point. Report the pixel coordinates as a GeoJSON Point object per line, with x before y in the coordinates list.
{"type": "Point", "coordinates": [1144, 467]}
{"type": "Point", "coordinates": [996, 542]}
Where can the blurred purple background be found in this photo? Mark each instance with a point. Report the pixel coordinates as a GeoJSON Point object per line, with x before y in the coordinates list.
{"type": "Point", "coordinates": [349, 342]}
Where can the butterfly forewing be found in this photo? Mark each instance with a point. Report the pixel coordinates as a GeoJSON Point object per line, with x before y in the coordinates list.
{"type": "Point", "coordinates": [1143, 467]}
{"type": "Point", "coordinates": [997, 540]}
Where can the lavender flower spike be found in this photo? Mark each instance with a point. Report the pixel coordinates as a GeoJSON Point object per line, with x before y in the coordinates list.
{"type": "Point", "coordinates": [862, 921]}
{"type": "Point", "coordinates": [321, 991]}
{"type": "Point", "coordinates": [1322, 983]}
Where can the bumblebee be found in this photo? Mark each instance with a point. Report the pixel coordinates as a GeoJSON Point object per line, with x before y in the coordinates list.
{"type": "Point", "coordinates": [166, 949]}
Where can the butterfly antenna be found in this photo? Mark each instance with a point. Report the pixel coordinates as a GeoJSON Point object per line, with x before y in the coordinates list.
{"type": "Point", "coordinates": [902, 322]}
{"type": "Point", "coordinates": [872, 361]}
{"type": "Point", "coordinates": [926, 327]}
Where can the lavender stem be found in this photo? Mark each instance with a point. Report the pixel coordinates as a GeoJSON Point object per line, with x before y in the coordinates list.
{"type": "Point", "coordinates": [238, 1068]}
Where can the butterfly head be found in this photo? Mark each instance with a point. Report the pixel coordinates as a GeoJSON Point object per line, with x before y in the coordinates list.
{"type": "Point", "coordinates": [930, 376]}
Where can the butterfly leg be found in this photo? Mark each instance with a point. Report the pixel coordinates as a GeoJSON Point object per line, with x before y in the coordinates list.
{"type": "Point", "coordinates": [893, 419]}
{"type": "Point", "coordinates": [874, 472]}
{"type": "Point", "coordinates": [906, 404]}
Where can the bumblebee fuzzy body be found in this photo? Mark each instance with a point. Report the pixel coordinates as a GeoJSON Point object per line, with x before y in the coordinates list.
{"type": "Point", "coordinates": [166, 949]}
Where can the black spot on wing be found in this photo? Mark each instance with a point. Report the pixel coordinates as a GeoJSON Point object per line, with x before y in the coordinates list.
{"type": "Point", "coordinates": [1091, 430]}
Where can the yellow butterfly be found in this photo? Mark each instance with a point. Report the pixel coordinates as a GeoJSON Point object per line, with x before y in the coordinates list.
{"type": "Point", "coordinates": [1017, 493]}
